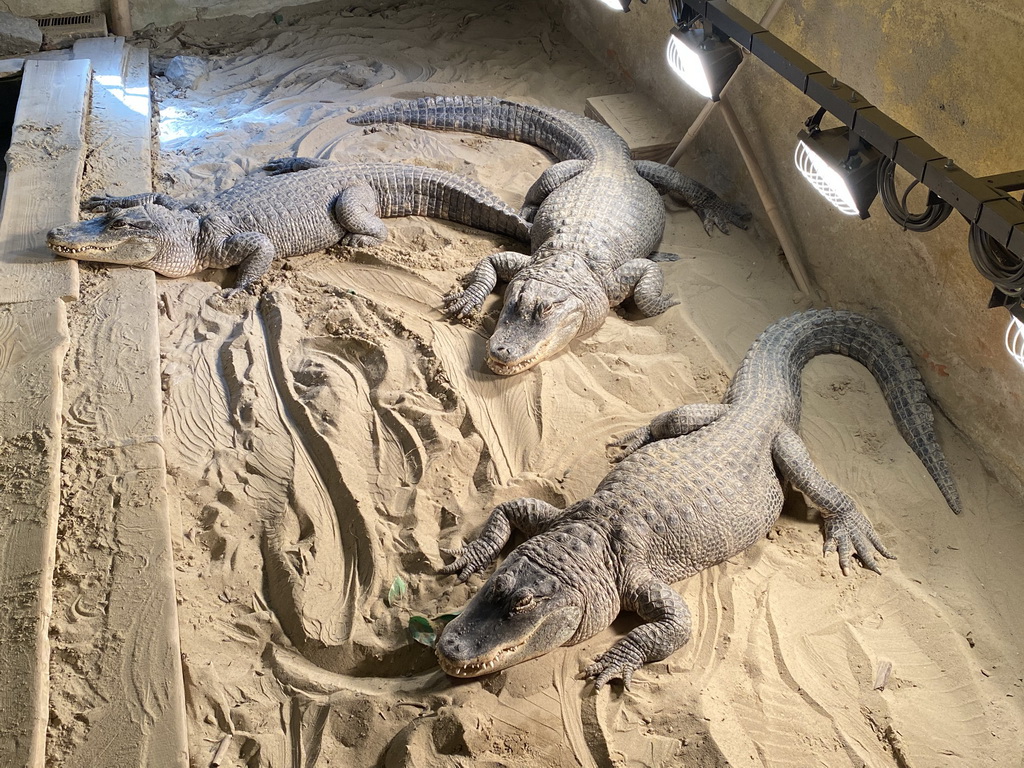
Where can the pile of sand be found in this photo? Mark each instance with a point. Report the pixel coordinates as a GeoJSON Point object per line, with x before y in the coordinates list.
{"type": "Point", "coordinates": [325, 438]}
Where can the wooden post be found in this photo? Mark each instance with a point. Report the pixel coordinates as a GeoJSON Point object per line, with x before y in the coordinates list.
{"type": "Point", "coordinates": [120, 18]}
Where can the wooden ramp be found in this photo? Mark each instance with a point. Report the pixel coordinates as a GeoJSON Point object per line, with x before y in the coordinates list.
{"type": "Point", "coordinates": [114, 693]}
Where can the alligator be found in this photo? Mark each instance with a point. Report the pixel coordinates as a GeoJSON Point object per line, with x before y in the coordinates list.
{"type": "Point", "coordinates": [597, 218]}
{"type": "Point", "coordinates": [695, 486]}
{"type": "Point", "coordinates": [302, 206]}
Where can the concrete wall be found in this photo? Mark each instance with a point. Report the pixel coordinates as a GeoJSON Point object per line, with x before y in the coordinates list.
{"type": "Point", "coordinates": [158, 12]}
{"type": "Point", "coordinates": [947, 69]}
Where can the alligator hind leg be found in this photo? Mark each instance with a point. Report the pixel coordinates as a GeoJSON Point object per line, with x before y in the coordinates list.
{"type": "Point", "coordinates": [292, 164]}
{"type": "Point", "coordinates": [531, 516]}
{"type": "Point", "coordinates": [675, 423]}
{"type": "Point", "coordinates": [252, 252]}
{"type": "Point", "coordinates": [482, 280]}
{"type": "Point", "coordinates": [713, 211]}
{"type": "Point", "coordinates": [846, 528]}
{"type": "Point", "coordinates": [667, 627]}
{"type": "Point", "coordinates": [644, 280]}
{"type": "Point", "coordinates": [357, 211]}
{"type": "Point", "coordinates": [109, 202]}
{"type": "Point", "coordinates": [548, 182]}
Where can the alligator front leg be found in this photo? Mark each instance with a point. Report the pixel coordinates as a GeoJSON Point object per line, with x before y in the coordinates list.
{"type": "Point", "coordinates": [356, 210]}
{"type": "Point", "coordinates": [643, 280]}
{"type": "Point", "coordinates": [531, 516]}
{"type": "Point", "coordinates": [846, 528]}
{"type": "Point", "coordinates": [547, 182]}
{"type": "Point", "coordinates": [713, 211]}
{"type": "Point", "coordinates": [482, 280]}
{"type": "Point", "coordinates": [667, 627]}
{"type": "Point", "coordinates": [109, 202]}
{"type": "Point", "coordinates": [253, 252]}
{"type": "Point", "coordinates": [675, 423]}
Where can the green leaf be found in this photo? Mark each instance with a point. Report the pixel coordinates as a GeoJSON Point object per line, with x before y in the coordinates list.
{"type": "Point", "coordinates": [441, 621]}
{"type": "Point", "coordinates": [396, 592]}
{"type": "Point", "coordinates": [422, 631]}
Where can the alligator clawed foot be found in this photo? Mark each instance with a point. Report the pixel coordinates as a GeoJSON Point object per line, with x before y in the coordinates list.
{"type": "Point", "coordinates": [618, 662]}
{"type": "Point", "coordinates": [460, 305]}
{"type": "Point", "coordinates": [98, 203]}
{"type": "Point", "coordinates": [230, 293]}
{"type": "Point", "coordinates": [356, 240]}
{"type": "Point", "coordinates": [470, 559]}
{"type": "Point", "coordinates": [619, 449]}
{"type": "Point", "coordinates": [724, 219]}
{"type": "Point", "coordinates": [849, 534]}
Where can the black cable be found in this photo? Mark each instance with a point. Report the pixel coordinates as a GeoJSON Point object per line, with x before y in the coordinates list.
{"type": "Point", "coordinates": [997, 264]}
{"type": "Point", "coordinates": [935, 213]}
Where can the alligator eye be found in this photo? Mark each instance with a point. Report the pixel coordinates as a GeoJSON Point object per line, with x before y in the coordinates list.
{"type": "Point", "coordinates": [543, 309]}
{"type": "Point", "coordinates": [118, 224]}
{"type": "Point", "coordinates": [524, 602]}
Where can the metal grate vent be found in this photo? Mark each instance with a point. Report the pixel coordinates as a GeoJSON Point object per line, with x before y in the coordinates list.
{"type": "Point", "coordinates": [65, 21]}
{"type": "Point", "coordinates": [62, 31]}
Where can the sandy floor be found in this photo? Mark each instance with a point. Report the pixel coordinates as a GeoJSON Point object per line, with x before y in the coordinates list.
{"type": "Point", "coordinates": [326, 437]}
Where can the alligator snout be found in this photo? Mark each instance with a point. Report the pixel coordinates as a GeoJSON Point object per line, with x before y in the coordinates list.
{"type": "Point", "coordinates": [453, 646]}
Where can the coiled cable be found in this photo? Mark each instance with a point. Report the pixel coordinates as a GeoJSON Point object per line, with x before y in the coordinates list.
{"type": "Point", "coordinates": [997, 264]}
{"type": "Point", "coordinates": [935, 213]}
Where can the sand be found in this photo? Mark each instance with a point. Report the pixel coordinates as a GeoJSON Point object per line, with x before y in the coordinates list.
{"type": "Point", "coordinates": [327, 435]}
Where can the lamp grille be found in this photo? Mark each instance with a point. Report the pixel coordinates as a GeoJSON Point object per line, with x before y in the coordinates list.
{"type": "Point", "coordinates": [685, 62]}
{"type": "Point", "coordinates": [1015, 340]}
{"type": "Point", "coordinates": [825, 179]}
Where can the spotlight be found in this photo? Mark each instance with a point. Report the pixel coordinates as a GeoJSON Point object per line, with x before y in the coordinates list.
{"type": "Point", "coordinates": [840, 165]}
{"type": "Point", "coordinates": [702, 60]}
{"type": "Point", "coordinates": [618, 5]}
{"type": "Point", "coordinates": [1015, 339]}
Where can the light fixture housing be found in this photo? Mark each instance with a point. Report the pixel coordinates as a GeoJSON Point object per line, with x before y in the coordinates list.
{"type": "Point", "coordinates": [841, 167]}
{"type": "Point", "coordinates": [618, 5]}
{"type": "Point", "coordinates": [702, 60]}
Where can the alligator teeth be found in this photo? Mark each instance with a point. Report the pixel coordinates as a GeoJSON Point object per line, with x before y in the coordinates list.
{"type": "Point", "coordinates": [474, 668]}
{"type": "Point", "coordinates": [72, 249]}
{"type": "Point", "coordinates": [508, 370]}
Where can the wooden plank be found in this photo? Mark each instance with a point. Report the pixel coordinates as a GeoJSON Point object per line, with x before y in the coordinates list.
{"type": "Point", "coordinates": [120, 131]}
{"type": "Point", "coordinates": [647, 129]}
{"type": "Point", "coordinates": [129, 693]}
{"type": "Point", "coordinates": [44, 163]}
{"type": "Point", "coordinates": [33, 341]}
{"type": "Point", "coordinates": [11, 67]}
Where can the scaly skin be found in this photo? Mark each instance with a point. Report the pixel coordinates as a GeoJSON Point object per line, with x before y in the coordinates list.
{"type": "Point", "coordinates": [597, 217]}
{"type": "Point", "coordinates": [691, 489]}
{"type": "Point", "coordinates": [304, 206]}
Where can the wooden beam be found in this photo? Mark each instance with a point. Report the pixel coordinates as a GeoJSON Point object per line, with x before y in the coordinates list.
{"type": "Point", "coordinates": [130, 692]}
{"type": "Point", "coordinates": [44, 165]}
{"type": "Point", "coordinates": [33, 341]}
{"type": "Point", "coordinates": [120, 17]}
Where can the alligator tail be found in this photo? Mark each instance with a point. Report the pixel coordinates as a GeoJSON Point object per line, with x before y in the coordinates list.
{"type": "Point", "coordinates": [419, 191]}
{"type": "Point", "coordinates": [785, 347]}
{"type": "Point", "coordinates": [564, 134]}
